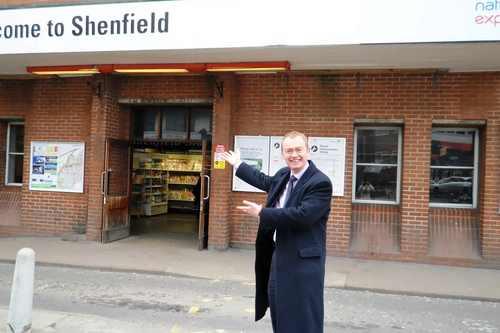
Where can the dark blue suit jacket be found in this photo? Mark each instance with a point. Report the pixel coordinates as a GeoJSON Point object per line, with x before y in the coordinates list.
{"type": "Point", "coordinates": [300, 247]}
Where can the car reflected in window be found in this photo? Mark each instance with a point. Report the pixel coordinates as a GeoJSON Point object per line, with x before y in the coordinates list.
{"type": "Point", "coordinates": [452, 190]}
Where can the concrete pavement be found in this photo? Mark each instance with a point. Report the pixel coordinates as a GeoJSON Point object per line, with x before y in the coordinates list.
{"type": "Point", "coordinates": [178, 256]}
{"type": "Point", "coordinates": [53, 322]}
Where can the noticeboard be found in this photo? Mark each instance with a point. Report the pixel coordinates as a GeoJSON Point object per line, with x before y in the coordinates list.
{"type": "Point", "coordinates": [254, 152]}
{"type": "Point", "coordinates": [276, 156]}
{"type": "Point", "coordinates": [57, 166]}
{"type": "Point", "coordinates": [264, 154]}
{"type": "Point", "coordinates": [328, 154]}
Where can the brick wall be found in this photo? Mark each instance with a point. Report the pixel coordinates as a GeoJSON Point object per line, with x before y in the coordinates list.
{"type": "Point", "coordinates": [454, 233]}
{"type": "Point", "coordinates": [318, 105]}
{"type": "Point", "coordinates": [54, 111]}
{"type": "Point", "coordinates": [375, 228]}
{"type": "Point", "coordinates": [322, 105]}
{"type": "Point", "coordinates": [221, 202]}
{"type": "Point", "coordinates": [155, 87]}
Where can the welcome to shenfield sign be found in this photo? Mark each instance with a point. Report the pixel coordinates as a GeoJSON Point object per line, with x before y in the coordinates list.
{"type": "Point", "coordinates": [209, 24]}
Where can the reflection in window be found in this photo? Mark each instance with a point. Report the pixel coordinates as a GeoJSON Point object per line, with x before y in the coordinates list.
{"type": "Point", "coordinates": [377, 161]}
{"type": "Point", "coordinates": [452, 148]}
{"type": "Point", "coordinates": [201, 124]}
{"type": "Point", "coordinates": [453, 167]}
{"type": "Point", "coordinates": [146, 123]}
{"type": "Point", "coordinates": [173, 123]}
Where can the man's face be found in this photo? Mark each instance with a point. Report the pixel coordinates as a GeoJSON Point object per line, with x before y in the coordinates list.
{"type": "Point", "coordinates": [295, 153]}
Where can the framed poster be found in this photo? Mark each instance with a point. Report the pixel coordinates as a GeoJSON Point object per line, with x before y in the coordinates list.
{"type": "Point", "coordinates": [57, 166]}
{"type": "Point", "coordinates": [254, 152]}
{"type": "Point", "coordinates": [329, 156]}
{"type": "Point", "coordinates": [276, 160]}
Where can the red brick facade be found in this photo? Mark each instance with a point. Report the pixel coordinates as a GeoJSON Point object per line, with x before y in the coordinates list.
{"type": "Point", "coordinates": [327, 105]}
{"type": "Point", "coordinates": [318, 105]}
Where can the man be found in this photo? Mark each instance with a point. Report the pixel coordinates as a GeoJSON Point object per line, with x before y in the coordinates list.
{"type": "Point", "coordinates": [291, 240]}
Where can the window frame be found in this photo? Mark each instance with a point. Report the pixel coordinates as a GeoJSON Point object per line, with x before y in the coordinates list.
{"type": "Point", "coordinates": [8, 153]}
{"type": "Point", "coordinates": [398, 165]}
{"type": "Point", "coordinates": [475, 168]}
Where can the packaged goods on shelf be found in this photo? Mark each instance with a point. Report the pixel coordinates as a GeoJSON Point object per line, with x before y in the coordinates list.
{"type": "Point", "coordinates": [184, 194]}
{"type": "Point", "coordinates": [183, 179]}
{"type": "Point", "coordinates": [181, 164]}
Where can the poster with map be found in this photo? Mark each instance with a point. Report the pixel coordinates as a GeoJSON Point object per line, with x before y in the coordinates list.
{"type": "Point", "coordinates": [57, 166]}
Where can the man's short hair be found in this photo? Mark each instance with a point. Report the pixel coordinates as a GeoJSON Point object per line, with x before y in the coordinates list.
{"type": "Point", "coordinates": [294, 134]}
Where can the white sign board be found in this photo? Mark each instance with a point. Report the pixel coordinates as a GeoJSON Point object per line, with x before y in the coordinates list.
{"type": "Point", "coordinates": [424, 21]}
{"type": "Point", "coordinates": [57, 166]}
{"type": "Point", "coordinates": [276, 157]}
{"type": "Point", "coordinates": [254, 152]}
{"type": "Point", "coordinates": [189, 25]}
{"type": "Point", "coordinates": [170, 25]}
{"type": "Point", "coordinates": [328, 154]}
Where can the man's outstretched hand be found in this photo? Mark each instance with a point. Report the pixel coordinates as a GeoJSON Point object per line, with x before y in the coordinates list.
{"type": "Point", "coordinates": [250, 208]}
{"type": "Point", "coordinates": [231, 157]}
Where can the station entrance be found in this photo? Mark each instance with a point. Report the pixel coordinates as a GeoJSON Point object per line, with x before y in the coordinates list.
{"type": "Point", "coordinates": [169, 159]}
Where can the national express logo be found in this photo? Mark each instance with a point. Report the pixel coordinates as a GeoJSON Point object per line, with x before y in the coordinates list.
{"type": "Point", "coordinates": [488, 13]}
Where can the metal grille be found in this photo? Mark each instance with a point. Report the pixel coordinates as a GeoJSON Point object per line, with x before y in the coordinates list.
{"type": "Point", "coordinates": [375, 228]}
{"type": "Point", "coordinates": [454, 233]}
{"type": "Point", "coordinates": [10, 208]}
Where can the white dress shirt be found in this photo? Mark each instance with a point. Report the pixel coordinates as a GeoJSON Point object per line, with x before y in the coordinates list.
{"type": "Point", "coordinates": [281, 200]}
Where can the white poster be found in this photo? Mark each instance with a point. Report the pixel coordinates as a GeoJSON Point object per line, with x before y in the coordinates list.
{"type": "Point", "coordinates": [276, 157]}
{"type": "Point", "coordinates": [254, 152]}
{"type": "Point", "coordinates": [328, 154]}
{"type": "Point", "coordinates": [57, 166]}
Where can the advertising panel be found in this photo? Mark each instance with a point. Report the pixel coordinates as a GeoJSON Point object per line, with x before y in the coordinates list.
{"type": "Point", "coordinates": [57, 166]}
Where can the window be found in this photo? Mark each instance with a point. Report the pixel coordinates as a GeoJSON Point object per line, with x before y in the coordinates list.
{"type": "Point", "coordinates": [201, 124]}
{"type": "Point", "coordinates": [173, 123]}
{"type": "Point", "coordinates": [146, 124]}
{"type": "Point", "coordinates": [454, 160]}
{"type": "Point", "coordinates": [377, 160]}
{"type": "Point", "coordinates": [15, 154]}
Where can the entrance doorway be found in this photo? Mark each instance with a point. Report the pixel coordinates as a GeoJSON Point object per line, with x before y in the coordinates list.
{"type": "Point", "coordinates": [171, 173]}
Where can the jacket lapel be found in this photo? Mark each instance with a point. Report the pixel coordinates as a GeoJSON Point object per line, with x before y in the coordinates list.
{"type": "Point", "coordinates": [305, 177]}
{"type": "Point", "coordinates": [275, 194]}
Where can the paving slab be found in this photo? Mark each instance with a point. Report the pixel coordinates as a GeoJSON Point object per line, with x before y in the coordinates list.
{"type": "Point", "coordinates": [420, 279]}
{"type": "Point", "coordinates": [52, 322]}
{"type": "Point", "coordinates": [179, 256]}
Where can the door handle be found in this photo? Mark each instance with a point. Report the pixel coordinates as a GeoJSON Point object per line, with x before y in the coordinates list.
{"type": "Point", "coordinates": [102, 182]}
{"type": "Point", "coordinates": [208, 187]}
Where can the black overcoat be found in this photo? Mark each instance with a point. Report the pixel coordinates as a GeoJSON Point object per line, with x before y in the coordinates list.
{"type": "Point", "coordinates": [300, 247]}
